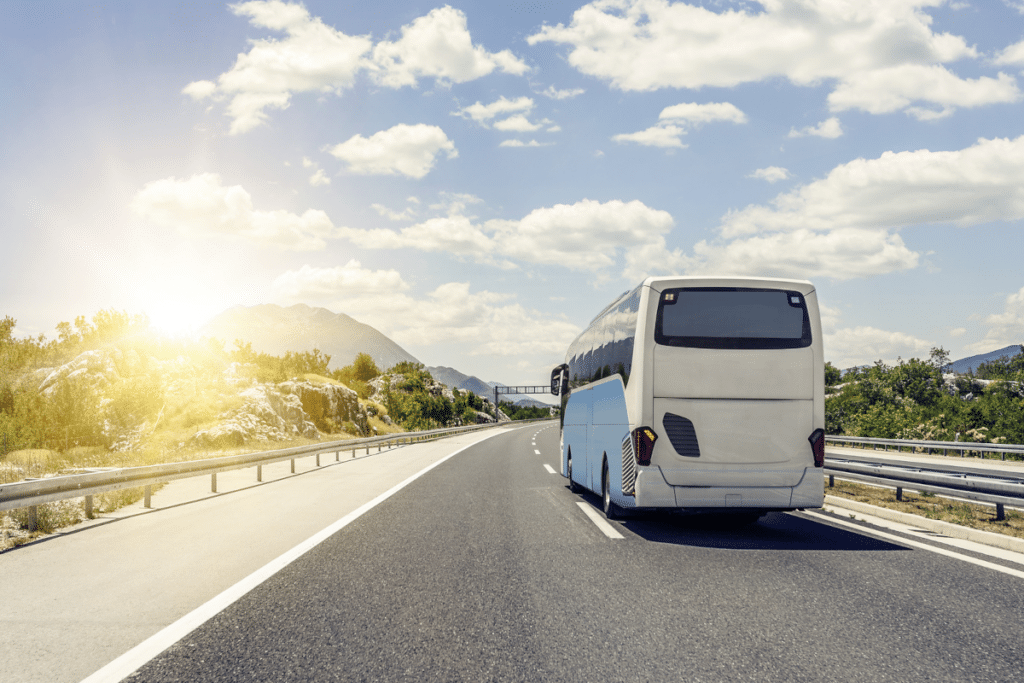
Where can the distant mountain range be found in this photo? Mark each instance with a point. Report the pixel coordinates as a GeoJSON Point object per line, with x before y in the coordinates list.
{"type": "Point", "coordinates": [971, 363]}
{"type": "Point", "coordinates": [454, 379]}
{"type": "Point", "coordinates": [965, 365]}
{"type": "Point", "coordinates": [275, 329]}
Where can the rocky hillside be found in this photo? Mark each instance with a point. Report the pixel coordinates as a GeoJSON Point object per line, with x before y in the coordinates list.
{"type": "Point", "coordinates": [225, 406]}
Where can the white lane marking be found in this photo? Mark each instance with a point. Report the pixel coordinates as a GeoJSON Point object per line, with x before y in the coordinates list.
{"type": "Point", "coordinates": [548, 468]}
{"type": "Point", "coordinates": [134, 659]}
{"type": "Point", "coordinates": [536, 452]}
{"type": "Point", "coordinates": [914, 544]}
{"type": "Point", "coordinates": [963, 544]}
{"type": "Point", "coordinates": [602, 524]}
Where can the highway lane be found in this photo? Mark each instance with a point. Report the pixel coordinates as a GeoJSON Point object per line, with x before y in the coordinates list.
{"type": "Point", "coordinates": [74, 601]}
{"type": "Point", "coordinates": [486, 569]}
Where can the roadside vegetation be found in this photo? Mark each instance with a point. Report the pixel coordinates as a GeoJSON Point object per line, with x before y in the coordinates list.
{"type": "Point", "coordinates": [515, 412]}
{"type": "Point", "coordinates": [911, 400]}
{"type": "Point", "coordinates": [111, 392]}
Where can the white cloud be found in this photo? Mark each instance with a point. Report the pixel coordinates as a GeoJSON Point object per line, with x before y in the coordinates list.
{"type": "Point", "coordinates": [438, 45]}
{"type": "Point", "coordinates": [199, 90]}
{"type": "Point", "coordinates": [314, 57]}
{"type": "Point", "coordinates": [840, 254]}
{"type": "Point", "coordinates": [347, 280]}
{"type": "Point", "coordinates": [843, 226]}
{"type": "Point", "coordinates": [520, 143]}
{"type": "Point", "coordinates": [671, 122]}
{"type": "Point", "coordinates": [958, 332]}
{"type": "Point", "coordinates": [1012, 55]}
{"type": "Point", "coordinates": [517, 123]}
{"type": "Point", "coordinates": [554, 129]}
{"type": "Point", "coordinates": [483, 113]}
{"type": "Point", "coordinates": [882, 55]}
{"type": "Point", "coordinates": [885, 90]}
{"type": "Point", "coordinates": [585, 236]}
{"type": "Point", "coordinates": [319, 178]}
{"type": "Point", "coordinates": [863, 345]}
{"type": "Point", "coordinates": [655, 136]}
{"type": "Point", "coordinates": [694, 113]}
{"type": "Point", "coordinates": [202, 205]}
{"type": "Point", "coordinates": [829, 128]}
{"type": "Point", "coordinates": [384, 211]}
{"type": "Point", "coordinates": [1003, 328]}
{"type": "Point", "coordinates": [491, 323]}
{"type": "Point", "coordinates": [557, 94]}
{"type": "Point", "coordinates": [979, 184]}
{"type": "Point", "coordinates": [403, 149]}
{"type": "Point", "coordinates": [772, 174]}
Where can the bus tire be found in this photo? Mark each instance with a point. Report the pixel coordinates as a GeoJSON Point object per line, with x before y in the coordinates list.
{"type": "Point", "coordinates": [611, 510]}
{"type": "Point", "coordinates": [573, 486]}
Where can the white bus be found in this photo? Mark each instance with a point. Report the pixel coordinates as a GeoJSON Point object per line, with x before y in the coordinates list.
{"type": "Point", "coordinates": [698, 394]}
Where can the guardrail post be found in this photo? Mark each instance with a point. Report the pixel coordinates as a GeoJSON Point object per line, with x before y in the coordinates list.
{"type": "Point", "coordinates": [88, 507]}
{"type": "Point", "coordinates": [213, 483]}
{"type": "Point", "coordinates": [353, 452]}
{"type": "Point", "coordinates": [33, 517]}
{"type": "Point", "coordinates": [318, 460]}
{"type": "Point", "coordinates": [148, 496]}
{"type": "Point", "coordinates": [1000, 512]}
{"type": "Point", "coordinates": [831, 480]}
{"type": "Point", "coordinates": [259, 472]}
{"type": "Point", "coordinates": [367, 449]}
{"type": "Point", "coordinates": [899, 493]}
{"type": "Point", "coordinates": [293, 465]}
{"type": "Point", "coordinates": [337, 456]}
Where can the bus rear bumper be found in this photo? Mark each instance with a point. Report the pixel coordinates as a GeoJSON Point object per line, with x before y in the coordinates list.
{"type": "Point", "coordinates": [652, 491]}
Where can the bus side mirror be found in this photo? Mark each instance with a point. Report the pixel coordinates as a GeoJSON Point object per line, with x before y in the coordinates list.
{"type": "Point", "coordinates": [560, 380]}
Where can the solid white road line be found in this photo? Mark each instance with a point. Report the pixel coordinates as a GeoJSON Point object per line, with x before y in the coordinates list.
{"type": "Point", "coordinates": [548, 468]}
{"type": "Point", "coordinates": [914, 544]}
{"type": "Point", "coordinates": [602, 524]}
{"type": "Point", "coordinates": [148, 649]}
{"type": "Point", "coordinates": [963, 544]}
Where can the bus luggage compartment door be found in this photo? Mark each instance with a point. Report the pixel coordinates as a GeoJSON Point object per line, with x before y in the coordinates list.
{"type": "Point", "coordinates": [761, 443]}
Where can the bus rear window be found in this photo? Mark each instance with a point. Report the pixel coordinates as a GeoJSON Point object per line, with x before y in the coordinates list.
{"type": "Point", "coordinates": [732, 318]}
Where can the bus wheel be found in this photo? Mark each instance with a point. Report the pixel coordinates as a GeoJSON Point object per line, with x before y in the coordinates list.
{"type": "Point", "coordinates": [573, 486]}
{"type": "Point", "coordinates": [611, 510]}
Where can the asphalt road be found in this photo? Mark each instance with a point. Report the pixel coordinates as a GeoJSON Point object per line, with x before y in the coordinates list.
{"type": "Point", "coordinates": [486, 569]}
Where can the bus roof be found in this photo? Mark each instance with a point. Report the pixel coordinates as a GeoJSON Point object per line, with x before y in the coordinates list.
{"type": "Point", "coordinates": [662, 282]}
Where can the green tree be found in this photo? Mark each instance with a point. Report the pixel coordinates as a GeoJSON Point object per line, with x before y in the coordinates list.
{"type": "Point", "coordinates": [364, 367]}
{"type": "Point", "coordinates": [832, 375]}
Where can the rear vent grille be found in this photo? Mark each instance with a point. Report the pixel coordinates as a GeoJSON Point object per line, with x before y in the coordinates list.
{"type": "Point", "coordinates": [682, 435]}
{"type": "Point", "coordinates": [628, 467]}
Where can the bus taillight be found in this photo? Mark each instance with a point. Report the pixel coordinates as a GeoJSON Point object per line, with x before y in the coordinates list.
{"type": "Point", "coordinates": [817, 439]}
{"type": "Point", "coordinates": [643, 444]}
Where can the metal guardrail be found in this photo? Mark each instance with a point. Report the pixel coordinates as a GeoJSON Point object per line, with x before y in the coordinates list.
{"type": "Point", "coordinates": [995, 486]}
{"type": "Point", "coordinates": [928, 446]}
{"type": "Point", "coordinates": [34, 492]}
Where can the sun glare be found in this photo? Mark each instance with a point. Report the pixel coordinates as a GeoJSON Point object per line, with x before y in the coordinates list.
{"type": "Point", "coordinates": [176, 318]}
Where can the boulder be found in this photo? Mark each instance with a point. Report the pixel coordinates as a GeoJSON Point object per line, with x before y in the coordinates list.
{"type": "Point", "coordinates": [323, 402]}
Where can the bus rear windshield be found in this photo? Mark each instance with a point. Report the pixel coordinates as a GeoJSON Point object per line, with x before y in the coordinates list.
{"type": "Point", "coordinates": [732, 318]}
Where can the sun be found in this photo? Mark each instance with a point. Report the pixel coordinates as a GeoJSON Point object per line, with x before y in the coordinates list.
{"type": "Point", "coordinates": [176, 317]}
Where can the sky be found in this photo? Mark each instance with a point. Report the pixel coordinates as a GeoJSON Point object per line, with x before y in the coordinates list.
{"type": "Point", "coordinates": [477, 180]}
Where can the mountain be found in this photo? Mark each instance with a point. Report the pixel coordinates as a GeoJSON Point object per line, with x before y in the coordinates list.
{"type": "Point", "coordinates": [274, 329]}
{"type": "Point", "coordinates": [454, 379]}
{"type": "Point", "coordinates": [972, 362]}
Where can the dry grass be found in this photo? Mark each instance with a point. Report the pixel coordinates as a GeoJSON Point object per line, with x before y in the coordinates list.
{"type": "Point", "coordinates": [981, 517]}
